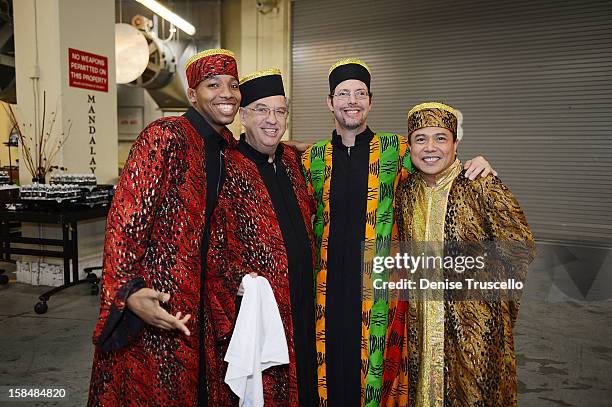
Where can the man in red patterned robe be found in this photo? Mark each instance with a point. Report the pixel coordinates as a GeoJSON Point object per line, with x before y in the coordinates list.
{"type": "Point", "coordinates": [262, 225]}
{"type": "Point", "coordinates": [148, 336]}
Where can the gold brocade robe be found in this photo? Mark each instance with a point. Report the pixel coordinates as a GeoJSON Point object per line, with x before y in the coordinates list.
{"type": "Point", "coordinates": [461, 353]}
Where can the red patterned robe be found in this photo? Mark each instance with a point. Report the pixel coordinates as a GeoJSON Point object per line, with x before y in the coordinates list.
{"type": "Point", "coordinates": [246, 237]}
{"type": "Point", "coordinates": [153, 239]}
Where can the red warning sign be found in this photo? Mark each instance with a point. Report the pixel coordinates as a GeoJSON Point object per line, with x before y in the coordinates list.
{"type": "Point", "coordinates": [87, 71]}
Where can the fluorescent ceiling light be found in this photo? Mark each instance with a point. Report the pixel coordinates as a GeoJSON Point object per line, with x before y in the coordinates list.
{"type": "Point", "coordinates": [168, 15]}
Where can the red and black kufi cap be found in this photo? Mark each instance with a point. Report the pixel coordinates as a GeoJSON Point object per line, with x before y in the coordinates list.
{"type": "Point", "coordinates": [208, 63]}
{"type": "Point", "coordinates": [349, 68]}
{"type": "Point", "coordinates": [261, 84]}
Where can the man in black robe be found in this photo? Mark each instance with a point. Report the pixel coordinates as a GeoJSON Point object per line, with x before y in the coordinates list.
{"type": "Point", "coordinates": [262, 226]}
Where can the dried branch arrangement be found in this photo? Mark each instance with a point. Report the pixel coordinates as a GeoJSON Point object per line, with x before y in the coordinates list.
{"type": "Point", "coordinates": [40, 149]}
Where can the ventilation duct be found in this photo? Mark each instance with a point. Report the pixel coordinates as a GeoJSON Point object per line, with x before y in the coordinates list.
{"type": "Point", "coordinates": [163, 76]}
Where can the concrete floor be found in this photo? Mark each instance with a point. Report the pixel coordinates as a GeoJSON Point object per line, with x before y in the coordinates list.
{"type": "Point", "coordinates": [50, 350]}
{"type": "Point", "coordinates": [563, 338]}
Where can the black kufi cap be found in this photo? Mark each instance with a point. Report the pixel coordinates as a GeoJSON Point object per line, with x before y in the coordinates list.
{"type": "Point", "coordinates": [350, 68]}
{"type": "Point", "coordinates": [261, 84]}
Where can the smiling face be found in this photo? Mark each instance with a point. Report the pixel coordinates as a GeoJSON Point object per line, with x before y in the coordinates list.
{"type": "Point", "coordinates": [350, 112]}
{"type": "Point", "coordinates": [265, 122]}
{"type": "Point", "coordinates": [217, 99]}
{"type": "Point", "coordinates": [432, 150]}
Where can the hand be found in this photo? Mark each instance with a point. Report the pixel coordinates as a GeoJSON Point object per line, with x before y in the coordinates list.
{"type": "Point", "coordinates": [241, 288]}
{"type": "Point", "coordinates": [298, 145]}
{"type": "Point", "coordinates": [145, 304]}
{"type": "Point", "coordinates": [477, 166]}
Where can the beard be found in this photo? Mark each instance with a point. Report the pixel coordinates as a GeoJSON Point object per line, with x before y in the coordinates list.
{"type": "Point", "coordinates": [350, 124]}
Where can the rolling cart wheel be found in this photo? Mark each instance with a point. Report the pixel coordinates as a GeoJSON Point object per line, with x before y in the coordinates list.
{"type": "Point", "coordinates": [3, 279]}
{"type": "Point", "coordinates": [95, 290]}
{"type": "Point", "coordinates": [41, 308]}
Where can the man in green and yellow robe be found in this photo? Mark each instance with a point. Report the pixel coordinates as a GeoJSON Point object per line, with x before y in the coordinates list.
{"type": "Point", "coordinates": [353, 178]}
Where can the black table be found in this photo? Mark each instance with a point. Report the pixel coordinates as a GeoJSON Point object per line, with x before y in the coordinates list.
{"type": "Point", "coordinates": [68, 218]}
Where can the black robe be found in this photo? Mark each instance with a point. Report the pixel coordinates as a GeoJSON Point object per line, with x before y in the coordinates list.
{"type": "Point", "coordinates": [348, 199]}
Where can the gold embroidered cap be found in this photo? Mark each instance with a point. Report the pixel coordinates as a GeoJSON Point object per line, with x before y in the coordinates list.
{"type": "Point", "coordinates": [435, 114]}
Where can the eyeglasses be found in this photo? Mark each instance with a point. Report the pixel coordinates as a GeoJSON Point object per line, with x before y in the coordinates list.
{"type": "Point", "coordinates": [346, 94]}
{"type": "Point", "coordinates": [265, 111]}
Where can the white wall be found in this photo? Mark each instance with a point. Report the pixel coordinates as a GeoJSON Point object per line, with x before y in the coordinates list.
{"type": "Point", "coordinates": [44, 31]}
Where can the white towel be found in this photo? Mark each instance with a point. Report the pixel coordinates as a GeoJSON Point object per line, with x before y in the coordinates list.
{"type": "Point", "coordinates": [258, 342]}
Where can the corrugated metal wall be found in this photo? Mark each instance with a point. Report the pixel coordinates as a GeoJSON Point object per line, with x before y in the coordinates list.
{"type": "Point", "coordinates": [533, 79]}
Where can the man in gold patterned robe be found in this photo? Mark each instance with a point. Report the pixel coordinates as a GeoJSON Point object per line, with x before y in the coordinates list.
{"type": "Point", "coordinates": [460, 353]}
